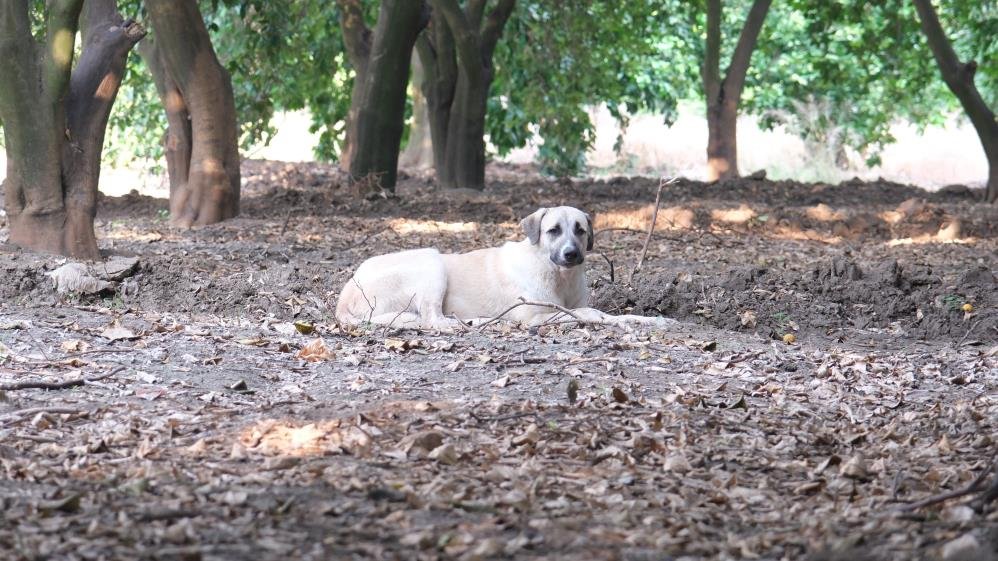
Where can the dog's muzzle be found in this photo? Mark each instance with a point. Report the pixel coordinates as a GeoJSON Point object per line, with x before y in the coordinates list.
{"type": "Point", "coordinates": [570, 256]}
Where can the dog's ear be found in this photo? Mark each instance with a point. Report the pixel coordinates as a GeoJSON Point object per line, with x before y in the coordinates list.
{"type": "Point", "coordinates": [532, 225]}
{"type": "Point", "coordinates": [589, 233]}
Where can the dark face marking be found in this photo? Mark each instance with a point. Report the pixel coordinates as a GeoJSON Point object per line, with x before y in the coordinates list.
{"type": "Point", "coordinates": [566, 238]}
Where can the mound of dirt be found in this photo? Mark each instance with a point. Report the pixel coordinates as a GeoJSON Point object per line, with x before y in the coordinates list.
{"type": "Point", "coordinates": [912, 301]}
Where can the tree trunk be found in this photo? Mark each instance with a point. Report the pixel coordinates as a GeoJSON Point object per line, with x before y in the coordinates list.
{"type": "Point", "coordinates": [724, 94]}
{"type": "Point", "coordinates": [436, 52]}
{"type": "Point", "coordinates": [464, 158]}
{"type": "Point", "coordinates": [959, 77]}
{"type": "Point", "coordinates": [54, 119]}
{"type": "Point", "coordinates": [458, 61]}
{"type": "Point", "coordinates": [177, 138]}
{"type": "Point", "coordinates": [722, 141]}
{"type": "Point", "coordinates": [357, 39]}
{"type": "Point", "coordinates": [379, 115]}
{"type": "Point", "coordinates": [418, 153]}
{"type": "Point", "coordinates": [197, 93]}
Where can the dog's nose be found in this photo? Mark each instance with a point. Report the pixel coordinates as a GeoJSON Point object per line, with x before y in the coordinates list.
{"type": "Point", "coordinates": [571, 254]}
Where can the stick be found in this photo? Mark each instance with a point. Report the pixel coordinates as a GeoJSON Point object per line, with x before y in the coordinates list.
{"type": "Point", "coordinates": [610, 263]}
{"type": "Point", "coordinates": [57, 385]}
{"type": "Point", "coordinates": [651, 229]}
{"type": "Point", "coordinates": [398, 315]}
{"type": "Point", "coordinates": [524, 302]}
{"type": "Point", "coordinates": [21, 413]}
{"type": "Point", "coordinates": [976, 485]}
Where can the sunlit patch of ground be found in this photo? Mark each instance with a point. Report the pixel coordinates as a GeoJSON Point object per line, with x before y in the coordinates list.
{"type": "Point", "coordinates": [408, 226]}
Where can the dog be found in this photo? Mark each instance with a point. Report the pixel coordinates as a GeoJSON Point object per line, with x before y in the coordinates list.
{"type": "Point", "coordinates": [426, 289]}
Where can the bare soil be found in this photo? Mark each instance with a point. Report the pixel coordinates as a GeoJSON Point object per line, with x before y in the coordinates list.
{"type": "Point", "coordinates": [213, 436]}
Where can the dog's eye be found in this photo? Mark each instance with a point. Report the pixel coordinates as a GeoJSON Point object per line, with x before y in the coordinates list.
{"type": "Point", "coordinates": [579, 230]}
{"type": "Point", "coordinates": [554, 231]}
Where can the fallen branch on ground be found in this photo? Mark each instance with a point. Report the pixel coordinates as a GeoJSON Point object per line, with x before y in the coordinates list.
{"type": "Point", "coordinates": [989, 492]}
{"type": "Point", "coordinates": [37, 385]}
{"type": "Point", "coordinates": [22, 413]}
{"type": "Point", "coordinates": [524, 302]}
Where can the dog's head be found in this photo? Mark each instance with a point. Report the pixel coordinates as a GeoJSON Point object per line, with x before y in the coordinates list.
{"type": "Point", "coordinates": [566, 232]}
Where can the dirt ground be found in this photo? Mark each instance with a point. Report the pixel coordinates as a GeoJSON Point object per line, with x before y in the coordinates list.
{"type": "Point", "coordinates": [213, 409]}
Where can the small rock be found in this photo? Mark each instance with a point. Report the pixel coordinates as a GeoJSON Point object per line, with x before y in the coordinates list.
{"type": "Point", "coordinates": [421, 442]}
{"type": "Point", "coordinates": [117, 268]}
{"type": "Point", "coordinates": [676, 463]}
{"type": "Point", "coordinates": [855, 468]}
{"type": "Point", "coordinates": [445, 454]}
{"type": "Point", "coordinates": [489, 547]}
{"type": "Point", "coordinates": [964, 548]}
{"type": "Point", "coordinates": [961, 513]}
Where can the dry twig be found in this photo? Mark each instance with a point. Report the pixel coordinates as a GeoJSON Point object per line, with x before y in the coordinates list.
{"type": "Point", "coordinates": [524, 302]}
{"type": "Point", "coordinates": [38, 385]}
{"type": "Point", "coordinates": [990, 492]}
{"type": "Point", "coordinates": [651, 228]}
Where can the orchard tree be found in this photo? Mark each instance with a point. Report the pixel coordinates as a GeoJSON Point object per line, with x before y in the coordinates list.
{"type": "Point", "coordinates": [202, 138]}
{"type": "Point", "coordinates": [840, 74]}
{"type": "Point", "coordinates": [381, 59]}
{"type": "Point", "coordinates": [723, 93]}
{"type": "Point", "coordinates": [959, 78]}
{"type": "Point", "coordinates": [456, 51]}
{"type": "Point", "coordinates": [573, 55]}
{"type": "Point", "coordinates": [54, 117]}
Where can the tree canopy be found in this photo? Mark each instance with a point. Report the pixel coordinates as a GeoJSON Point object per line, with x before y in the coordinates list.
{"type": "Point", "coordinates": [838, 74]}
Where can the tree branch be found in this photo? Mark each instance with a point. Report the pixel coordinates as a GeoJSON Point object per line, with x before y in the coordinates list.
{"type": "Point", "coordinates": [94, 86]}
{"type": "Point", "coordinates": [60, 42]}
{"type": "Point", "coordinates": [466, 40]}
{"type": "Point", "coordinates": [356, 34]}
{"type": "Point", "coordinates": [959, 78]}
{"type": "Point", "coordinates": [493, 27]}
{"type": "Point", "coordinates": [475, 10]}
{"type": "Point", "coordinates": [734, 80]}
{"type": "Point", "coordinates": [711, 70]}
{"type": "Point", "coordinates": [18, 64]}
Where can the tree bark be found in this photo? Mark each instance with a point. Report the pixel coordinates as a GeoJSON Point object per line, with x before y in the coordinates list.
{"type": "Point", "coordinates": [177, 138]}
{"type": "Point", "coordinates": [54, 119]}
{"type": "Point", "coordinates": [959, 78]}
{"type": "Point", "coordinates": [723, 94]}
{"type": "Point", "coordinates": [378, 116]}
{"type": "Point", "coordinates": [436, 52]}
{"type": "Point", "coordinates": [418, 153]}
{"type": "Point", "coordinates": [458, 92]}
{"type": "Point", "coordinates": [357, 39]}
{"type": "Point", "coordinates": [197, 93]}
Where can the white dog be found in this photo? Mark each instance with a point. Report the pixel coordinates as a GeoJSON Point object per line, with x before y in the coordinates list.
{"type": "Point", "coordinates": [424, 288]}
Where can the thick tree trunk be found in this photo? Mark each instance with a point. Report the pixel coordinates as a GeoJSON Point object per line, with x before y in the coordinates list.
{"type": "Point", "coordinates": [55, 117]}
{"type": "Point", "coordinates": [458, 61]}
{"type": "Point", "coordinates": [418, 153]}
{"type": "Point", "coordinates": [436, 52]}
{"type": "Point", "coordinates": [177, 138]}
{"type": "Point", "coordinates": [380, 116]}
{"type": "Point", "coordinates": [724, 94]}
{"type": "Point", "coordinates": [722, 141]}
{"type": "Point", "coordinates": [357, 38]}
{"type": "Point", "coordinates": [464, 159]}
{"type": "Point", "coordinates": [190, 70]}
{"type": "Point", "coordinates": [959, 77]}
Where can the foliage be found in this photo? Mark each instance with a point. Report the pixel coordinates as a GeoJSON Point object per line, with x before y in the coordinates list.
{"type": "Point", "coordinates": [836, 73]}
{"type": "Point", "coordinates": [840, 73]}
{"type": "Point", "coordinates": [557, 59]}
